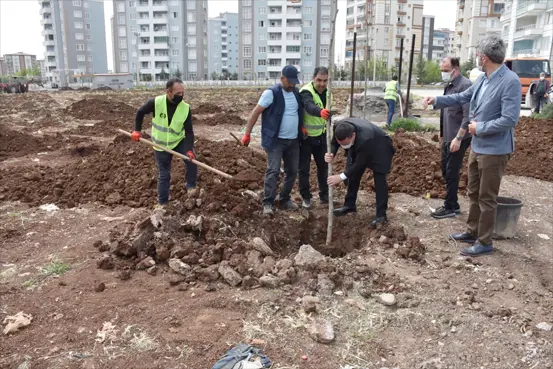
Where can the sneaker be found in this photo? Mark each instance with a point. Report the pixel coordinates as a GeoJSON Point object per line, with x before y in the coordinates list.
{"type": "Point", "coordinates": [306, 203]}
{"type": "Point", "coordinates": [464, 237]}
{"type": "Point", "coordinates": [268, 210]}
{"type": "Point", "coordinates": [442, 212]}
{"type": "Point", "coordinates": [289, 205]}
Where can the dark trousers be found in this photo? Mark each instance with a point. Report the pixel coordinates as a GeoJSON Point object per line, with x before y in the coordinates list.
{"type": "Point", "coordinates": [287, 151]}
{"type": "Point", "coordinates": [164, 160]}
{"type": "Point", "coordinates": [452, 162]}
{"type": "Point", "coordinates": [485, 173]}
{"type": "Point", "coordinates": [391, 110]}
{"type": "Point", "coordinates": [317, 147]}
{"type": "Point", "coordinates": [539, 102]}
{"type": "Point", "coordinates": [381, 189]}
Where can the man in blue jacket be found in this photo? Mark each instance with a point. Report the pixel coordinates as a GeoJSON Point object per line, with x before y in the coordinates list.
{"type": "Point", "coordinates": [494, 111]}
{"type": "Point", "coordinates": [281, 113]}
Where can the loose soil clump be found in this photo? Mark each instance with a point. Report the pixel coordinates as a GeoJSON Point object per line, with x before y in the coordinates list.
{"type": "Point", "coordinates": [16, 144]}
{"type": "Point", "coordinates": [101, 108]}
{"type": "Point", "coordinates": [218, 119]}
{"type": "Point", "coordinates": [206, 108]}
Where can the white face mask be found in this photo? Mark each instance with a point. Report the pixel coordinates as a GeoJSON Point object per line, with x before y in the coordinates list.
{"type": "Point", "coordinates": [345, 147]}
{"type": "Point", "coordinates": [446, 76]}
{"type": "Point", "coordinates": [542, 78]}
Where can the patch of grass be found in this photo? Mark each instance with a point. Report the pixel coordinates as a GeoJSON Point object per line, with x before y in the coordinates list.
{"type": "Point", "coordinates": [55, 268]}
{"type": "Point", "coordinates": [408, 124]}
{"type": "Point", "coordinates": [546, 113]}
{"type": "Point", "coordinates": [30, 283]}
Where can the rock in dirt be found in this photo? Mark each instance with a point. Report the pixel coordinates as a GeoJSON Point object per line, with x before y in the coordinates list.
{"type": "Point", "coordinates": [100, 287]}
{"type": "Point", "coordinates": [248, 282]}
{"type": "Point", "coordinates": [269, 281]}
{"type": "Point", "coordinates": [253, 259]}
{"type": "Point", "coordinates": [175, 279]}
{"type": "Point", "coordinates": [145, 263]}
{"type": "Point", "coordinates": [229, 275]}
{"type": "Point", "coordinates": [387, 299]}
{"type": "Point", "coordinates": [310, 303]}
{"type": "Point", "coordinates": [309, 258]}
{"type": "Point", "coordinates": [17, 321]}
{"type": "Point", "coordinates": [365, 289]}
{"type": "Point", "coordinates": [179, 267]}
{"type": "Point", "coordinates": [194, 223]}
{"type": "Point", "coordinates": [261, 246]}
{"type": "Point", "coordinates": [321, 331]}
{"type": "Point", "coordinates": [152, 270]}
{"type": "Point", "coordinates": [106, 262]}
{"type": "Point", "coordinates": [543, 326]}
{"type": "Point", "coordinates": [325, 286]}
{"type": "Point", "coordinates": [124, 275]}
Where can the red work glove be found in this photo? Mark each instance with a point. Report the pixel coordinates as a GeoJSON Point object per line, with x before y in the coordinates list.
{"type": "Point", "coordinates": [135, 136]}
{"type": "Point", "coordinates": [191, 155]}
{"type": "Point", "coordinates": [325, 113]}
{"type": "Point", "coordinates": [304, 131]}
{"type": "Point", "coordinates": [246, 139]}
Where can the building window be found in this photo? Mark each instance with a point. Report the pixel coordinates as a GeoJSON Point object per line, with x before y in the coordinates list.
{"type": "Point", "coordinates": [262, 10]}
{"type": "Point", "coordinates": [90, 58]}
{"type": "Point", "coordinates": [192, 53]}
{"type": "Point", "coordinates": [325, 39]}
{"type": "Point", "coordinates": [78, 25]}
{"type": "Point", "coordinates": [192, 67]}
{"type": "Point", "coordinates": [81, 58]}
{"type": "Point", "coordinates": [325, 26]}
{"type": "Point", "coordinates": [175, 15]}
{"type": "Point", "coordinates": [308, 36]}
{"type": "Point", "coordinates": [88, 47]}
{"type": "Point", "coordinates": [191, 4]}
{"type": "Point", "coordinates": [261, 24]}
{"type": "Point", "coordinates": [122, 31]}
{"type": "Point", "coordinates": [262, 36]}
{"type": "Point", "coordinates": [121, 7]}
{"type": "Point", "coordinates": [484, 11]}
{"type": "Point", "coordinates": [132, 16]}
{"type": "Point", "coordinates": [261, 62]}
{"type": "Point", "coordinates": [191, 30]}
{"type": "Point", "coordinates": [175, 28]}
{"type": "Point", "coordinates": [131, 4]}
{"type": "Point", "coordinates": [386, 19]}
{"type": "Point", "coordinates": [308, 63]}
{"type": "Point", "coordinates": [121, 18]}
{"type": "Point", "coordinates": [175, 2]}
{"type": "Point", "coordinates": [80, 47]}
{"type": "Point", "coordinates": [307, 50]}
{"type": "Point", "coordinates": [262, 49]}
{"type": "Point", "coordinates": [175, 52]}
{"type": "Point", "coordinates": [247, 51]}
{"type": "Point", "coordinates": [79, 36]}
{"type": "Point", "coordinates": [88, 26]}
{"type": "Point", "coordinates": [308, 10]}
{"type": "Point", "coordinates": [133, 29]}
{"type": "Point", "coordinates": [307, 23]}
{"type": "Point", "coordinates": [191, 16]}
{"type": "Point", "coordinates": [174, 40]}
{"type": "Point", "coordinates": [247, 2]}
{"type": "Point", "coordinates": [324, 52]}
{"type": "Point", "coordinates": [247, 64]}
{"type": "Point", "coordinates": [123, 55]}
{"type": "Point", "coordinates": [325, 11]}
{"type": "Point", "coordinates": [192, 41]}
{"type": "Point", "coordinates": [77, 3]}
{"type": "Point", "coordinates": [247, 39]}
{"type": "Point", "coordinates": [247, 26]}
{"type": "Point", "coordinates": [123, 43]}
{"type": "Point", "coordinates": [77, 14]}
{"type": "Point", "coordinates": [124, 67]}
{"type": "Point", "coordinates": [246, 13]}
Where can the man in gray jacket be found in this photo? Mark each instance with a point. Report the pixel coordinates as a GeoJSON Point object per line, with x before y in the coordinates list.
{"type": "Point", "coordinates": [495, 101]}
{"type": "Point", "coordinates": [454, 136]}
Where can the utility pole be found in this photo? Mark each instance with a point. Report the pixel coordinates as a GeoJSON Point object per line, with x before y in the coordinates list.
{"type": "Point", "coordinates": [365, 72]}
{"type": "Point", "coordinates": [353, 74]}
{"type": "Point", "coordinates": [374, 59]}
{"type": "Point", "coordinates": [137, 67]}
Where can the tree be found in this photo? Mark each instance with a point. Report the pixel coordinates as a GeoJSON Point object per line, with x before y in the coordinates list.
{"type": "Point", "coordinates": [163, 76]}
{"type": "Point", "coordinates": [420, 69]}
{"type": "Point", "coordinates": [214, 76]}
{"type": "Point", "coordinates": [467, 66]}
{"type": "Point", "coordinates": [340, 73]}
{"type": "Point", "coordinates": [23, 72]}
{"type": "Point", "coordinates": [234, 76]}
{"type": "Point", "coordinates": [382, 70]}
{"type": "Point", "coordinates": [178, 73]}
{"type": "Point", "coordinates": [432, 72]}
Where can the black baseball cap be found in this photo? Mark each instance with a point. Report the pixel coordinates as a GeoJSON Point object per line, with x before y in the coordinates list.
{"type": "Point", "coordinates": [291, 74]}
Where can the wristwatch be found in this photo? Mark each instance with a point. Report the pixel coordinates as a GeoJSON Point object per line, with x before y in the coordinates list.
{"type": "Point", "coordinates": [460, 138]}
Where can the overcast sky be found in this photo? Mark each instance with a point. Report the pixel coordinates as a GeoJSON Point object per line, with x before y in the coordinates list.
{"type": "Point", "coordinates": [20, 28]}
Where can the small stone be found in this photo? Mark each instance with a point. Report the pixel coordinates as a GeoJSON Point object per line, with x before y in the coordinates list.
{"type": "Point", "coordinates": [198, 202]}
{"type": "Point", "coordinates": [97, 244]}
{"type": "Point", "coordinates": [124, 275]}
{"type": "Point", "coordinates": [510, 286]}
{"type": "Point", "coordinates": [152, 270]}
{"type": "Point", "coordinates": [321, 331]}
{"type": "Point", "coordinates": [257, 342]}
{"type": "Point", "coordinates": [383, 239]}
{"type": "Point", "coordinates": [248, 282]}
{"type": "Point", "coordinates": [269, 281]}
{"type": "Point", "coordinates": [325, 286]}
{"type": "Point", "coordinates": [229, 275]}
{"type": "Point", "coordinates": [260, 245]}
{"type": "Point", "coordinates": [100, 287]}
{"type": "Point", "coordinates": [365, 289]}
{"type": "Point", "coordinates": [304, 357]}
{"type": "Point", "coordinates": [387, 299]}
{"type": "Point", "coordinates": [62, 283]}
{"type": "Point", "coordinates": [178, 266]}
{"type": "Point", "coordinates": [453, 329]}
{"type": "Point", "coordinates": [475, 286]}
{"type": "Point", "coordinates": [106, 262]}
{"type": "Point", "coordinates": [211, 287]}
{"type": "Point", "coordinates": [175, 279]}
{"type": "Point", "coordinates": [309, 304]}
{"type": "Point", "coordinates": [495, 359]}
{"type": "Point", "coordinates": [309, 258]}
{"type": "Point", "coordinates": [488, 281]}
{"type": "Point", "coordinates": [543, 326]}
{"type": "Point", "coordinates": [145, 263]}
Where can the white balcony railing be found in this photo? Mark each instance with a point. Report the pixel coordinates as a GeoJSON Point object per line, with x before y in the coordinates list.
{"type": "Point", "coordinates": [530, 26]}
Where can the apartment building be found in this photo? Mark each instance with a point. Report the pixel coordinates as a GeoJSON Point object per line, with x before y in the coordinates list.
{"type": "Point", "coordinates": [223, 45]}
{"type": "Point", "coordinates": [276, 33]}
{"type": "Point", "coordinates": [388, 21]}
{"type": "Point", "coordinates": [528, 27]}
{"type": "Point", "coordinates": [3, 68]}
{"type": "Point", "coordinates": [18, 61]}
{"type": "Point", "coordinates": [159, 39]}
{"type": "Point", "coordinates": [74, 39]}
{"type": "Point", "coordinates": [42, 67]}
{"type": "Point", "coordinates": [437, 43]}
{"type": "Point", "coordinates": [476, 19]}
{"type": "Point", "coordinates": [427, 36]}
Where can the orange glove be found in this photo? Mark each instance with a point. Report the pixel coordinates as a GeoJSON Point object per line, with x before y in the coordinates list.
{"type": "Point", "coordinates": [135, 136]}
{"type": "Point", "coordinates": [304, 131]}
{"type": "Point", "coordinates": [191, 155]}
{"type": "Point", "coordinates": [325, 113]}
{"type": "Point", "coordinates": [246, 139]}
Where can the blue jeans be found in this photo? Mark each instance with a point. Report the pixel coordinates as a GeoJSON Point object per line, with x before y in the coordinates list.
{"type": "Point", "coordinates": [163, 160]}
{"type": "Point", "coordinates": [391, 109]}
{"type": "Point", "coordinates": [287, 151]}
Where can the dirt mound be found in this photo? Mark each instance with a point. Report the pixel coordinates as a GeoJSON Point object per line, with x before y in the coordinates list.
{"type": "Point", "coordinates": [33, 105]}
{"type": "Point", "coordinates": [206, 108]}
{"type": "Point", "coordinates": [83, 88]}
{"type": "Point", "coordinates": [229, 119]}
{"type": "Point", "coordinates": [66, 88]}
{"type": "Point", "coordinates": [533, 156]}
{"type": "Point", "coordinates": [103, 88]}
{"type": "Point", "coordinates": [101, 108]}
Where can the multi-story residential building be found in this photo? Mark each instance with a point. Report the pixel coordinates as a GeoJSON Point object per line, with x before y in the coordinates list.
{"type": "Point", "coordinates": [19, 61]}
{"type": "Point", "coordinates": [223, 44]}
{"type": "Point", "coordinates": [3, 68]}
{"type": "Point", "coordinates": [74, 38]}
{"type": "Point", "coordinates": [42, 67]}
{"type": "Point", "coordinates": [528, 27]}
{"type": "Point", "coordinates": [427, 36]}
{"type": "Point", "coordinates": [476, 19]}
{"type": "Point", "coordinates": [159, 39]}
{"type": "Point", "coordinates": [437, 43]}
{"type": "Point", "coordinates": [388, 21]}
{"type": "Point", "coordinates": [276, 33]}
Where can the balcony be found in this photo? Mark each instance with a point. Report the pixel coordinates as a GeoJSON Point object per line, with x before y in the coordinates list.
{"type": "Point", "coordinates": [147, 46]}
{"type": "Point", "coordinates": [161, 58]}
{"type": "Point", "coordinates": [49, 53]}
{"type": "Point", "coordinates": [274, 68]}
{"type": "Point", "coordinates": [528, 32]}
{"type": "Point", "coordinates": [44, 21]}
{"type": "Point", "coordinates": [145, 20]}
{"type": "Point", "coordinates": [293, 42]}
{"type": "Point", "coordinates": [292, 29]}
{"type": "Point", "coordinates": [401, 12]}
{"type": "Point", "coordinates": [531, 8]}
{"type": "Point", "coordinates": [523, 52]}
{"type": "Point", "coordinates": [291, 55]}
{"type": "Point", "coordinates": [49, 31]}
{"type": "Point", "coordinates": [461, 4]}
{"type": "Point", "coordinates": [159, 8]}
{"type": "Point", "coordinates": [293, 15]}
{"type": "Point", "coordinates": [274, 42]}
{"type": "Point", "coordinates": [49, 43]}
{"type": "Point", "coordinates": [401, 24]}
{"type": "Point", "coordinates": [274, 55]}
{"type": "Point", "coordinates": [506, 15]}
{"type": "Point", "coordinates": [402, 1]}
{"type": "Point", "coordinates": [162, 33]}
{"type": "Point", "coordinates": [275, 15]}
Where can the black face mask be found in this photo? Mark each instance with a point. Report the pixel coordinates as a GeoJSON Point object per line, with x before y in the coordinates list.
{"type": "Point", "coordinates": [176, 99]}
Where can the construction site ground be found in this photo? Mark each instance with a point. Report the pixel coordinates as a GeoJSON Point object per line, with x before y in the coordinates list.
{"type": "Point", "coordinates": [112, 283]}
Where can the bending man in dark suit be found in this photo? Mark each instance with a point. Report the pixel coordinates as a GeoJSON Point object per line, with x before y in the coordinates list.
{"type": "Point", "coordinates": [367, 146]}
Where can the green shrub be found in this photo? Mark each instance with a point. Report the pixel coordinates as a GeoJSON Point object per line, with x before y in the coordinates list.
{"type": "Point", "coordinates": [546, 113]}
{"type": "Point", "coordinates": [408, 124]}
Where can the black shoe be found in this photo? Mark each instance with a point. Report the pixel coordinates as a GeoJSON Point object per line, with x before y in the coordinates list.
{"type": "Point", "coordinates": [463, 237]}
{"type": "Point", "coordinates": [324, 201]}
{"type": "Point", "coordinates": [344, 210]}
{"type": "Point", "coordinates": [379, 220]}
{"type": "Point", "coordinates": [443, 212]}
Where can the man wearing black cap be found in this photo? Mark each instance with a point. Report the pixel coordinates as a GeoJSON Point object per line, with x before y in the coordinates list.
{"type": "Point", "coordinates": [367, 146]}
{"type": "Point", "coordinates": [281, 113]}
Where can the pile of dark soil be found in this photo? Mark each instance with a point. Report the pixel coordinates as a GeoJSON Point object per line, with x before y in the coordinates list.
{"type": "Point", "coordinates": [101, 108]}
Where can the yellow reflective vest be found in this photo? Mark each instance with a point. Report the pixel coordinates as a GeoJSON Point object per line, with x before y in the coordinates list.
{"type": "Point", "coordinates": [163, 133]}
{"type": "Point", "coordinates": [315, 126]}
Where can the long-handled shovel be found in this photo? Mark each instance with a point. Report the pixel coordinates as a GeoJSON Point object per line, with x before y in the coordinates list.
{"type": "Point", "coordinates": [194, 161]}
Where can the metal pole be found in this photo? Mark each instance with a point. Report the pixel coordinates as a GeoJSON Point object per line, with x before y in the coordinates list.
{"type": "Point", "coordinates": [406, 107]}
{"type": "Point", "coordinates": [328, 124]}
{"type": "Point", "coordinates": [365, 74]}
{"type": "Point", "coordinates": [374, 63]}
{"type": "Point", "coordinates": [400, 62]}
{"type": "Point", "coordinates": [352, 74]}
{"type": "Point", "coordinates": [137, 69]}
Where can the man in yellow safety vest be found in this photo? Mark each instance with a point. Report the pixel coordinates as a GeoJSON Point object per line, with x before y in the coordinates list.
{"type": "Point", "coordinates": [314, 96]}
{"type": "Point", "coordinates": [391, 92]}
{"type": "Point", "coordinates": [171, 128]}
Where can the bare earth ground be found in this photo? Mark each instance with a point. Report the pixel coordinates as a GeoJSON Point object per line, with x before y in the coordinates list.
{"type": "Point", "coordinates": [451, 312]}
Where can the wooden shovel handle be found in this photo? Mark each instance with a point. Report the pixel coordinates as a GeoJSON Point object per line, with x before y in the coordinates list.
{"type": "Point", "coordinates": [236, 138]}
{"type": "Point", "coordinates": [194, 161]}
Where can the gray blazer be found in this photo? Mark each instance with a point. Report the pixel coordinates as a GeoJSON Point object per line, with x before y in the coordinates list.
{"type": "Point", "coordinates": [497, 111]}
